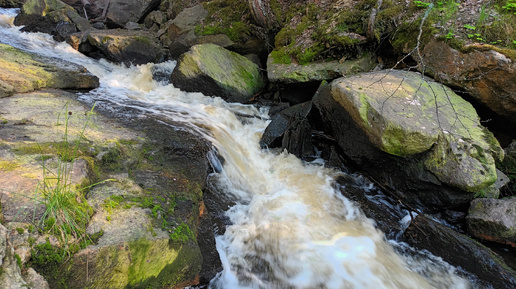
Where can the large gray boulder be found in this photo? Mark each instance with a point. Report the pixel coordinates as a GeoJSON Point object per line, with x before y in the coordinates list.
{"type": "Point", "coordinates": [213, 70]}
{"type": "Point", "coordinates": [493, 220]}
{"type": "Point", "coordinates": [23, 72]}
{"type": "Point", "coordinates": [413, 120]}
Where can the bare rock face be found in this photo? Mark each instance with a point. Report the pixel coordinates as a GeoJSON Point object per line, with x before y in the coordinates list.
{"type": "Point", "coordinates": [484, 73]}
{"type": "Point", "coordinates": [493, 220]}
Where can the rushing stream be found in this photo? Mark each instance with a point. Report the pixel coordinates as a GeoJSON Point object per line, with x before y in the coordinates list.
{"type": "Point", "coordinates": [291, 227]}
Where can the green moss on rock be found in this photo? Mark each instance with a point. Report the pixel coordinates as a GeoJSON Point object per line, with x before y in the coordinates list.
{"type": "Point", "coordinates": [404, 114]}
{"type": "Point", "coordinates": [211, 69]}
{"type": "Point", "coordinates": [229, 17]}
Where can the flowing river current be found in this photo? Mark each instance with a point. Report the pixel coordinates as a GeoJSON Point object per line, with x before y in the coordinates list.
{"type": "Point", "coordinates": [290, 227]}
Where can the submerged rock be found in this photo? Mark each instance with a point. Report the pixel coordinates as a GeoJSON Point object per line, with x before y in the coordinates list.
{"type": "Point", "coordinates": [213, 70]}
{"type": "Point", "coordinates": [23, 72]}
{"type": "Point", "coordinates": [433, 134]}
{"type": "Point", "coordinates": [484, 73]}
{"type": "Point", "coordinates": [493, 220]}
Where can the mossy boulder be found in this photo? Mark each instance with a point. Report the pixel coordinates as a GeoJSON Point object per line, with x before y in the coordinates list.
{"type": "Point", "coordinates": [427, 134]}
{"type": "Point", "coordinates": [216, 71]}
{"type": "Point", "coordinates": [135, 248]}
{"type": "Point", "coordinates": [493, 220]}
{"type": "Point", "coordinates": [233, 20]}
{"type": "Point", "coordinates": [405, 114]}
{"type": "Point", "coordinates": [23, 71]}
{"type": "Point", "coordinates": [178, 34]}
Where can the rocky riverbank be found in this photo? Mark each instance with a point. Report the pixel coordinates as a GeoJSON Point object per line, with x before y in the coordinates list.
{"type": "Point", "coordinates": [348, 78]}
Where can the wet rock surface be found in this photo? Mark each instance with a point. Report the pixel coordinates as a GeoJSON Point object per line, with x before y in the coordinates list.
{"type": "Point", "coordinates": [467, 253]}
{"type": "Point", "coordinates": [274, 133]}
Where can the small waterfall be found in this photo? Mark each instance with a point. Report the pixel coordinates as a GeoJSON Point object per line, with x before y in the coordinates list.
{"type": "Point", "coordinates": [291, 227]}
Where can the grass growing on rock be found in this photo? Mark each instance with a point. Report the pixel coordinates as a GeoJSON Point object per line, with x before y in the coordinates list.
{"type": "Point", "coordinates": [66, 212]}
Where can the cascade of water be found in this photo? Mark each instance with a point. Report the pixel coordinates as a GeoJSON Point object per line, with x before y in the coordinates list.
{"type": "Point", "coordinates": [290, 227]}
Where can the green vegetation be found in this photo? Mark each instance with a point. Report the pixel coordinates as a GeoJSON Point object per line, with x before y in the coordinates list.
{"type": "Point", "coordinates": [46, 254]}
{"type": "Point", "coordinates": [182, 233]}
{"type": "Point", "coordinates": [66, 211]}
{"type": "Point", "coordinates": [495, 24]}
{"type": "Point", "coordinates": [8, 166]}
{"type": "Point", "coordinates": [18, 260]}
{"type": "Point", "coordinates": [226, 17]}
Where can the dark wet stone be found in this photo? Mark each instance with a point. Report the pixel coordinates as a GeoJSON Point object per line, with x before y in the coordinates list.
{"type": "Point", "coordinates": [460, 250]}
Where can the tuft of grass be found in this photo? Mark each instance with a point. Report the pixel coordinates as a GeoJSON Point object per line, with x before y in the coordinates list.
{"type": "Point", "coordinates": [66, 212]}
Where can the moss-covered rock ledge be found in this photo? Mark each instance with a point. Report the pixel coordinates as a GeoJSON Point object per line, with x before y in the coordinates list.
{"type": "Point", "coordinates": [142, 213]}
{"type": "Point", "coordinates": [23, 72]}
